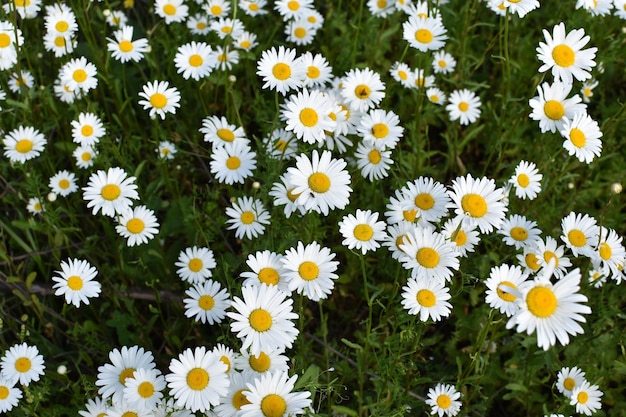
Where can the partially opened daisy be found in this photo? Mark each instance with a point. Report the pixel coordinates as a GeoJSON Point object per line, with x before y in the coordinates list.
{"type": "Point", "coordinates": [424, 33]}
{"type": "Point", "coordinates": [321, 183]}
{"type": "Point", "coordinates": [563, 54]}
{"type": "Point", "coordinates": [463, 236]}
{"type": "Point", "coordinates": [195, 264]}
{"type": "Point", "coordinates": [479, 200]}
{"type": "Point", "coordinates": [552, 108]}
{"type": "Point", "coordinates": [267, 268]}
{"type": "Point", "coordinates": [111, 191]}
{"type": "Point", "coordinates": [444, 399]}
{"type": "Point", "coordinates": [373, 162]}
{"type": "Point", "coordinates": [281, 144]}
{"type": "Point", "coordinates": [362, 89]}
{"type": "Point", "coordinates": [586, 398]}
{"type": "Point", "coordinates": [76, 282]}
{"type": "Point", "coordinates": [144, 389]}
{"type": "Point", "coordinates": [207, 302]}
{"type": "Point", "coordinates": [138, 225]}
{"type": "Point", "coordinates": [526, 180]}
{"type": "Point", "coordinates": [307, 115]}
{"type": "Point", "coordinates": [568, 379]}
{"type": "Point", "coordinates": [197, 379]}
{"type": "Point", "coordinates": [381, 128]}
{"type": "Point", "coordinates": [247, 217]}
{"type": "Point", "coordinates": [271, 395]}
{"type": "Point", "coordinates": [124, 48]}
{"type": "Point", "coordinates": [87, 129]}
{"type": "Point", "coordinates": [22, 364]}
{"type": "Point", "coordinates": [159, 98]}
{"type": "Point", "coordinates": [281, 70]}
{"type": "Point", "coordinates": [518, 231]}
{"type": "Point", "coordinates": [582, 137]}
{"type": "Point", "coordinates": [310, 270]}
{"type": "Point", "coordinates": [580, 233]}
{"type": "Point", "coordinates": [463, 105]}
{"type": "Point", "coordinates": [10, 394]}
{"type": "Point", "coordinates": [124, 362]}
{"type": "Point", "coordinates": [233, 162]}
{"type": "Point", "coordinates": [503, 288]}
{"type": "Point", "coordinates": [426, 298]}
{"type": "Point", "coordinates": [263, 318]}
{"type": "Point", "coordinates": [23, 143]}
{"type": "Point", "coordinates": [194, 60]}
{"type": "Point", "coordinates": [429, 255]}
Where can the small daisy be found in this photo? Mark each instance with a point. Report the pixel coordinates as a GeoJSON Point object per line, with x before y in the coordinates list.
{"type": "Point", "coordinates": [225, 57]}
{"type": "Point", "coordinates": [76, 282]}
{"type": "Point", "coordinates": [521, 7]}
{"type": "Point", "coordinates": [443, 62]}
{"type": "Point", "coordinates": [143, 389]}
{"type": "Point", "coordinates": [219, 132]}
{"type": "Point", "coordinates": [582, 137]}
{"type": "Point", "coordinates": [597, 278]}
{"type": "Point", "coordinates": [80, 74]}
{"type": "Point", "coordinates": [95, 407]}
{"type": "Point", "coordinates": [362, 89]}
{"type": "Point", "coordinates": [436, 96]}
{"type": "Point", "coordinates": [580, 233]}
{"type": "Point", "coordinates": [271, 395]}
{"type": "Point", "coordinates": [421, 80]}
{"type": "Point", "coordinates": [427, 197]}
{"type": "Point", "coordinates": [225, 26]}
{"type": "Point", "coordinates": [568, 379]}
{"type": "Point", "coordinates": [207, 302]}
{"type": "Point", "coordinates": [263, 319]}
{"type": "Point", "coordinates": [281, 70]}
{"type": "Point", "coordinates": [463, 236]}
{"type": "Point", "coordinates": [424, 33]}
{"type": "Point", "coordinates": [586, 398]}
{"type": "Point", "coordinates": [159, 98]}
{"type": "Point", "coordinates": [374, 163]}
{"type": "Point", "coordinates": [396, 237]}
{"type": "Point", "coordinates": [124, 48]}
{"type": "Point", "coordinates": [552, 108]}
{"type": "Point", "coordinates": [22, 363]}
{"type": "Point", "coordinates": [609, 255]}
{"type": "Point", "coordinates": [166, 150]}
{"type": "Point", "coordinates": [520, 232]}
{"type": "Point", "coordinates": [526, 180]}
{"type": "Point", "coordinates": [197, 379]}
{"type": "Point", "coordinates": [110, 191]}
{"type": "Point", "coordinates": [400, 210]}
{"type": "Point", "coordinates": [266, 268]}
{"type": "Point", "coordinates": [464, 105]}
{"type": "Point", "coordinates": [380, 8]}
{"type": "Point", "coordinates": [300, 32]}
{"type": "Point", "coordinates": [503, 288]}
{"type": "Point", "coordinates": [194, 60]}
{"type": "Point", "coordinates": [22, 80]}
{"type": "Point", "coordinates": [245, 40]}
{"type": "Point", "coordinates": [586, 90]}
{"type": "Point", "coordinates": [318, 71]}
{"type": "Point", "coordinates": [382, 128]}
{"type": "Point", "coordinates": [292, 9]}
{"type": "Point", "coordinates": [195, 264]}
{"type": "Point", "coordinates": [84, 156]}
{"type": "Point", "coordinates": [171, 10]}
{"type": "Point", "coordinates": [217, 8]}
{"type": "Point", "coordinates": [402, 73]}
{"type": "Point", "coordinates": [23, 143]}
{"type": "Point", "coordinates": [117, 18]}
{"type": "Point", "coordinates": [9, 395]}
{"type": "Point", "coordinates": [226, 355]}
{"type": "Point", "coordinates": [444, 399]}
{"type": "Point", "coordinates": [87, 130]}
{"type": "Point", "coordinates": [35, 206]}
{"type": "Point", "coordinates": [138, 225]}
{"type": "Point", "coordinates": [247, 217]}
{"type": "Point", "coordinates": [112, 376]}
{"type": "Point", "coordinates": [310, 270]}
{"type": "Point", "coordinates": [479, 200]}
{"type": "Point", "coordinates": [429, 255]}
{"type": "Point", "coordinates": [529, 260]}
{"type": "Point", "coordinates": [265, 361]}
{"type": "Point", "coordinates": [307, 115]}
{"type": "Point", "coordinates": [598, 7]}
{"type": "Point", "coordinates": [233, 162]}
{"type": "Point", "coordinates": [253, 7]}
{"type": "Point", "coordinates": [59, 44]}
{"type": "Point", "coordinates": [281, 144]}
{"type": "Point", "coordinates": [284, 196]}
{"type": "Point", "coordinates": [198, 24]}
{"type": "Point", "coordinates": [549, 251]}
{"type": "Point", "coordinates": [427, 298]}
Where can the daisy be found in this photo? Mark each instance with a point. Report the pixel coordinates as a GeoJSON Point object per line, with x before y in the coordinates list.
{"type": "Point", "coordinates": [582, 137]}
{"type": "Point", "coordinates": [266, 268]}
{"type": "Point", "coordinates": [219, 132]}
{"type": "Point", "coordinates": [596, 278]}
{"type": "Point", "coordinates": [443, 62]}
{"type": "Point", "coordinates": [609, 255]}
{"type": "Point", "coordinates": [427, 298]}
{"type": "Point", "coordinates": [138, 225]}
{"type": "Point", "coordinates": [59, 44]}
{"type": "Point", "coordinates": [374, 163]}
{"type": "Point", "coordinates": [568, 379]}
{"type": "Point", "coordinates": [520, 232]}
{"type": "Point", "coordinates": [281, 70]}
{"type": "Point", "coordinates": [23, 143]}
{"type": "Point", "coordinates": [76, 282]}
{"type": "Point", "coordinates": [247, 217]}
{"type": "Point", "coordinates": [124, 409]}
{"type": "Point", "coordinates": [436, 96]}
{"type": "Point", "coordinates": [526, 180]}
{"type": "Point", "coordinates": [396, 237]}
{"type": "Point", "coordinates": [263, 319]}
{"type": "Point", "coordinates": [253, 7]}
{"type": "Point", "coordinates": [143, 389]}
{"type": "Point", "coordinates": [195, 264]}
{"type": "Point", "coordinates": [400, 210]}
{"type": "Point", "coordinates": [599, 7]}
{"type": "Point", "coordinates": [233, 163]}
{"type": "Point", "coordinates": [547, 251]}
{"type": "Point", "coordinates": [171, 10]}
{"type": "Point", "coordinates": [464, 105]}
{"type": "Point", "coordinates": [22, 363]}
{"type": "Point", "coordinates": [193, 60]}
{"type": "Point", "coordinates": [166, 150]}
{"type": "Point", "coordinates": [116, 18]}
{"type": "Point", "coordinates": [586, 398]}
{"type": "Point", "coordinates": [310, 270]}
{"type": "Point", "coordinates": [521, 7]}
{"type": "Point", "coordinates": [206, 302]}
{"type": "Point", "coordinates": [265, 361]}
{"type": "Point", "coordinates": [402, 73]}
{"type": "Point", "coordinates": [464, 237]}
{"type": "Point", "coordinates": [321, 183]}
{"type": "Point", "coordinates": [63, 92]}
{"type": "Point", "coordinates": [529, 260]}
{"type": "Point", "coordinates": [281, 144]}
{"type": "Point", "coordinates": [362, 89]}
{"type": "Point", "coordinates": [307, 115]}
{"type": "Point", "coordinates": [124, 48]}
{"type": "Point", "coordinates": [580, 233]}
{"type": "Point", "coordinates": [421, 80]}
{"type": "Point", "coordinates": [271, 395]}
{"type": "Point", "coordinates": [424, 33]}
{"type": "Point", "coordinates": [87, 130]}
{"type": "Point", "coordinates": [503, 288]}
{"type": "Point", "coordinates": [292, 9]}
{"type": "Point", "coordinates": [552, 108]}
{"type": "Point", "coordinates": [197, 379]}
{"type": "Point", "coordinates": [27, 9]}
{"type": "Point", "coordinates": [429, 255]}
{"type": "Point", "coordinates": [563, 54]}
{"type": "Point", "coordinates": [80, 74]}
{"type": "Point", "coordinates": [226, 355]}
{"type": "Point", "coordinates": [444, 399]}
{"type": "Point", "coordinates": [553, 310]}
{"type": "Point", "coordinates": [284, 196]}
{"type": "Point", "coordinates": [620, 8]}
{"type": "Point", "coordinates": [225, 57]}
{"type": "Point", "coordinates": [112, 376]}
{"type": "Point", "coordinates": [318, 71]}
{"type": "Point", "coordinates": [245, 40]}
{"type": "Point", "coordinates": [427, 197]}
{"type": "Point", "coordinates": [9, 395]}
{"type": "Point", "coordinates": [586, 90]}
{"type": "Point", "coordinates": [198, 24]}
{"type": "Point", "coordinates": [382, 128]}
{"type": "Point", "coordinates": [35, 206]}
{"type": "Point", "coordinates": [159, 98]}
{"type": "Point", "coordinates": [21, 80]}
{"type": "Point", "coordinates": [231, 404]}
{"type": "Point", "coordinates": [479, 200]}
{"type": "Point", "coordinates": [110, 191]}
{"type": "Point", "coordinates": [300, 32]}
{"type": "Point", "coordinates": [84, 156]}
{"type": "Point", "coordinates": [217, 8]}
{"type": "Point", "coordinates": [380, 8]}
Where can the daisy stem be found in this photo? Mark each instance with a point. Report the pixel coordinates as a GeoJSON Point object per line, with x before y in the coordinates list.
{"type": "Point", "coordinates": [358, 30]}
{"type": "Point", "coordinates": [364, 353]}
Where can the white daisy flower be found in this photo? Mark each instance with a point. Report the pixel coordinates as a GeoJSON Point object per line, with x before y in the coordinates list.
{"type": "Point", "coordinates": [586, 398]}
{"type": "Point", "coordinates": [402, 73]}
{"type": "Point", "coordinates": [373, 162]}
{"type": "Point", "coordinates": [171, 10]}
{"type": "Point", "coordinates": [362, 231]}
{"type": "Point", "coordinates": [283, 195]}
{"type": "Point", "coordinates": [112, 376]}
{"type": "Point", "coordinates": [292, 9]}
{"type": "Point", "coordinates": [35, 206]}
{"type": "Point", "coordinates": [424, 33]}
{"type": "Point", "coordinates": [421, 80]}
{"type": "Point", "coordinates": [23, 143]}
{"type": "Point", "coordinates": [464, 105]}
{"type": "Point", "coordinates": [529, 260]}
{"type": "Point", "coordinates": [143, 389]}
{"type": "Point", "coordinates": [76, 282]}
{"type": "Point", "coordinates": [159, 98]}
{"type": "Point", "coordinates": [195, 264]}
{"type": "Point", "coordinates": [310, 270]}
{"type": "Point", "coordinates": [84, 156]}
{"type": "Point", "coordinates": [444, 399]}
{"type": "Point", "coordinates": [526, 180]}
{"type": "Point", "coordinates": [429, 255]}
{"type": "Point", "coordinates": [219, 132]}
{"type": "Point", "coordinates": [380, 9]}
{"type": "Point", "coordinates": [233, 162]}
{"type": "Point", "coordinates": [225, 26]}
{"type": "Point", "coordinates": [552, 108]}
{"type": "Point", "coordinates": [550, 251]}
{"type": "Point", "coordinates": [582, 137]}
{"type": "Point", "coordinates": [396, 237]}
{"type": "Point", "coordinates": [281, 70]}
{"type": "Point", "coordinates": [247, 217]}
{"type": "Point", "coordinates": [253, 7]}
{"type": "Point", "coordinates": [300, 32]}
{"type": "Point", "coordinates": [436, 96]}
{"type": "Point", "coordinates": [281, 144]}
{"type": "Point", "coordinates": [80, 74]}
{"type": "Point", "coordinates": [226, 355]}
{"type": "Point", "coordinates": [580, 233]}
{"type": "Point", "coordinates": [207, 302]}
{"type": "Point", "coordinates": [520, 232]}
{"type": "Point", "coordinates": [166, 150]}
{"type": "Point", "coordinates": [503, 288]}
{"type": "Point", "coordinates": [362, 89]}
{"type": "Point", "coordinates": [123, 48]}
{"type": "Point", "coordinates": [318, 70]}
{"type": "Point", "coordinates": [586, 91]}
{"type": "Point", "coordinates": [266, 268]}
{"type": "Point", "coordinates": [245, 40]}
{"type": "Point", "coordinates": [443, 62]}
{"type": "Point", "coordinates": [110, 191]}
{"type": "Point", "coordinates": [271, 395]}
{"type": "Point", "coordinates": [521, 7]}
{"type": "Point", "coordinates": [87, 129]}
{"type": "Point", "coordinates": [11, 395]}
{"type": "Point", "coordinates": [568, 379]}
{"type": "Point", "coordinates": [198, 24]}
{"type": "Point", "coordinates": [217, 8]}
{"type": "Point", "coordinates": [307, 115]}
{"type": "Point", "coordinates": [463, 236]}
{"type": "Point", "coordinates": [138, 225]}
{"type": "Point", "coordinates": [226, 58]}
{"type": "Point", "coordinates": [265, 361]}
{"type": "Point", "coordinates": [610, 254]}
{"type": "Point", "coordinates": [232, 402]}
{"type": "Point", "coordinates": [22, 364]}
{"type": "Point", "coordinates": [194, 60]}
{"type": "Point", "coordinates": [427, 298]}
{"type": "Point", "coordinates": [427, 197]}
{"type": "Point", "coordinates": [381, 128]}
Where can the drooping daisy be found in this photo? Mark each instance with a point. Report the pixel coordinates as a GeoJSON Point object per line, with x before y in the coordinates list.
{"type": "Point", "coordinates": [307, 115]}
{"type": "Point", "coordinates": [166, 150]}
{"type": "Point", "coordinates": [444, 399]}
{"type": "Point", "coordinates": [248, 218]}
{"type": "Point", "coordinates": [265, 361]}
{"type": "Point", "coordinates": [552, 108]}
{"type": "Point", "coordinates": [292, 9]}
{"type": "Point", "coordinates": [195, 264]}
{"type": "Point", "coordinates": [610, 254]}
{"type": "Point", "coordinates": [10, 395]}
{"type": "Point", "coordinates": [266, 268]}
{"type": "Point", "coordinates": [318, 70]}
{"type": "Point", "coordinates": [563, 54]}
{"type": "Point", "coordinates": [568, 379]}
{"type": "Point", "coordinates": [321, 183]}
{"type": "Point", "coordinates": [75, 281]}
{"type": "Point", "coordinates": [124, 48]}
{"type": "Point", "coordinates": [197, 379]}
{"type": "Point", "coordinates": [35, 206]}
{"type": "Point", "coordinates": [171, 10]}
{"type": "Point", "coordinates": [281, 70]}
{"type": "Point", "coordinates": [138, 225]}
{"type": "Point", "coordinates": [526, 180]}
{"type": "Point", "coordinates": [80, 74]}
{"type": "Point", "coordinates": [362, 89]}
{"type": "Point", "coordinates": [552, 310]}
{"type": "Point", "coordinates": [463, 236]}
{"type": "Point", "coordinates": [231, 404]}
{"type": "Point", "coordinates": [429, 255]}
{"type": "Point", "coordinates": [233, 162]}
{"type": "Point", "coordinates": [263, 319]}
{"type": "Point", "coordinates": [479, 200]}
{"type": "Point", "coordinates": [427, 198]}
{"type": "Point", "coordinates": [160, 98]}
{"type": "Point", "coordinates": [87, 129]}
{"type": "Point", "coordinates": [22, 363]}
{"type": "Point", "coordinates": [582, 137]}
{"type": "Point", "coordinates": [110, 191]}
{"type": "Point", "coordinates": [427, 298]}
{"type": "Point", "coordinates": [464, 105]}
{"type": "Point", "coordinates": [271, 395]}
{"type": "Point", "coordinates": [310, 270]}
{"type": "Point", "coordinates": [382, 128]}
{"type": "Point", "coordinates": [424, 33]}
{"type": "Point", "coordinates": [112, 376]}
{"type": "Point", "coordinates": [219, 132]}
{"type": "Point", "coordinates": [503, 288]}
{"type": "Point", "coordinates": [518, 231]}
{"type": "Point", "coordinates": [521, 7]}
{"type": "Point", "coordinates": [84, 156]}
{"type": "Point", "coordinates": [206, 302]}
{"type": "Point", "coordinates": [23, 143]}
{"type": "Point", "coordinates": [580, 233]}
{"type": "Point", "coordinates": [143, 389]}
{"type": "Point", "coordinates": [586, 398]}
{"type": "Point", "coordinates": [284, 196]}
{"type": "Point", "coordinates": [194, 60]}
{"type": "Point", "coordinates": [443, 62]}
{"type": "Point", "coordinates": [436, 96]}
{"type": "Point", "coordinates": [373, 162]}
{"type": "Point", "coordinates": [550, 251]}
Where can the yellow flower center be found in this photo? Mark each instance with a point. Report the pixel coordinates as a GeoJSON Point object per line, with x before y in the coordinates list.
{"type": "Point", "coordinates": [532, 261]}
{"type": "Point", "coordinates": [577, 137]}
{"type": "Point", "coordinates": [519, 233]}
{"type": "Point", "coordinates": [554, 109]}
{"type": "Point", "coordinates": [195, 60]}
{"type": "Point", "coordinates": [577, 238]}
{"type": "Point", "coordinates": [460, 238]}
{"type": "Point", "coordinates": [5, 40]}
{"type": "Point", "coordinates": [195, 265]}
{"type": "Point", "coordinates": [222, 57]}
{"type": "Point", "coordinates": [281, 71]}
{"type": "Point", "coordinates": [239, 399]}
{"type": "Point", "coordinates": [463, 106]}
{"type": "Point", "coordinates": [254, 7]}
{"type": "Point", "coordinates": [427, 257]}
{"type": "Point", "coordinates": [523, 180]}
{"type": "Point", "coordinates": [292, 196]}
{"type": "Point", "coordinates": [403, 75]}
{"type": "Point", "coordinates": [226, 135]}
{"type": "Point", "coordinates": [563, 55]}
{"type": "Point", "coordinates": [4, 392]}
{"type": "Point", "coordinates": [319, 182]}
{"type": "Point", "coordinates": [59, 41]}
{"type": "Point", "coordinates": [110, 192]}
{"type": "Point", "coordinates": [308, 117]}
{"type": "Point", "coordinates": [206, 302]}
{"type": "Point", "coordinates": [158, 100]}
{"type": "Point", "coordinates": [79, 75]}
{"type": "Point", "coordinates": [260, 363]}
{"type": "Point", "coordinates": [245, 44]}
{"type": "Point", "coordinates": [86, 130]}
{"type": "Point", "coordinates": [362, 91]}
{"type": "Point", "coordinates": [541, 302]}
{"type": "Point", "coordinates": [424, 201]}
{"type": "Point", "coordinates": [443, 401]}
{"type": "Point", "coordinates": [363, 232]}
{"type": "Point", "coordinates": [504, 291]}
{"type": "Point", "coordinates": [269, 276]}
{"type": "Point", "coordinates": [64, 184]}
{"type": "Point", "coordinates": [380, 130]}
{"type": "Point", "coordinates": [24, 146]}
{"type": "Point", "coordinates": [75, 282]}
{"type": "Point", "coordinates": [86, 156]}
{"type": "Point", "coordinates": [381, 4]}
{"type": "Point", "coordinates": [197, 379]}
{"type": "Point", "coordinates": [409, 215]}
{"type": "Point", "coordinates": [374, 156]}
{"type": "Point", "coordinates": [226, 29]}
{"type": "Point", "coordinates": [569, 383]}
{"type": "Point", "coordinates": [126, 373]}
{"type": "Point", "coordinates": [426, 298]}
{"type": "Point", "coordinates": [312, 72]}
{"type": "Point", "coordinates": [126, 46]}
{"type": "Point", "coordinates": [300, 32]}
{"type": "Point", "coordinates": [135, 225]}
{"type": "Point", "coordinates": [582, 397]}
{"type": "Point", "coordinates": [233, 163]}
{"type": "Point", "coordinates": [23, 364]}
{"type": "Point", "coordinates": [424, 36]}
{"type": "Point", "coordinates": [169, 9]}
{"type": "Point", "coordinates": [247, 217]}
{"type": "Point", "coordinates": [442, 63]}
{"type": "Point", "coordinates": [293, 5]}
{"type": "Point", "coordinates": [308, 270]}
{"type": "Point", "coordinates": [200, 25]}
{"type": "Point", "coordinates": [605, 251]}
{"type": "Point", "coordinates": [129, 414]}
{"type": "Point", "coordinates": [216, 10]}
{"type": "Point", "coordinates": [474, 204]}
{"type": "Point", "coordinates": [145, 389]}
{"type": "Point", "coordinates": [273, 405]}
{"type": "Point", "coordinates": [548, 255]}
{"type": "Point", "coordinates": [260, 320]}
{"type": "Point", "coordinates": [434, 98]}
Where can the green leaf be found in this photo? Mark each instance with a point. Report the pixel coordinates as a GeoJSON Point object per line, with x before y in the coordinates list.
{"type": "Point", "coordinates": [29, 279]}
{"type": "Point", "coordinates": [351, 344]}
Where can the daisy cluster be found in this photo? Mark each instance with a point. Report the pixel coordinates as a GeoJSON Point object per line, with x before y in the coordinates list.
{"type": "Point", "coordinates": [20, 364]}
